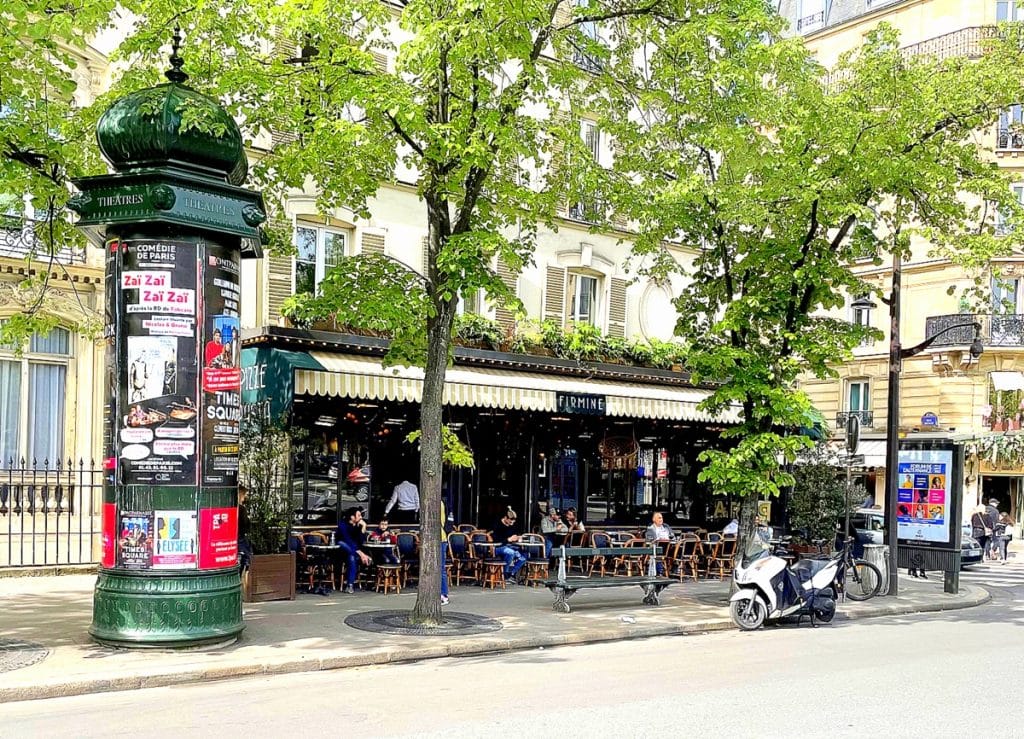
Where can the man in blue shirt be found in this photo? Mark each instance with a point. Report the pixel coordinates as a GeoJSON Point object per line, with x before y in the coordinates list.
{"type": "Point", "coordinates": [350, 538]}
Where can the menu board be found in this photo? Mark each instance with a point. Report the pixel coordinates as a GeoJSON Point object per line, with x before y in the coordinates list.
{"type": "Point", "coordinates": [221, 369]}
{"type": "Point", "coordinates": [158, 424]}
{"type": "Point", "coordinates": [923, 507]}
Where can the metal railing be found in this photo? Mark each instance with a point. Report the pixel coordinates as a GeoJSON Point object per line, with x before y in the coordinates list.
{"type": "Point", "coordinates": [997, 329]}
{"type": "Point", "coordinates": [1010, 139]}
{"type": "Point", "coordinates": [867, 418]}
{"type": "Point", "coordinates": [968, 42]}
{"type": "Point", "coordinates": [49, 513]}
{"type": "Point", "coordinates": [813, 20]}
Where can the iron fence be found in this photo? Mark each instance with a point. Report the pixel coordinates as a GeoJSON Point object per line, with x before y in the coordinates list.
{"type": "Point", "coordinates": [49, 512]}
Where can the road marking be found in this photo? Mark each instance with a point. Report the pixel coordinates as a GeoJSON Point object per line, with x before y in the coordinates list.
{"type": "Point", "coordinates": [998, 575]}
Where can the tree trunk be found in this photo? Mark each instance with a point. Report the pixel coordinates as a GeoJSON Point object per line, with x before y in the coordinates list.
{"type": "Point", "coordinates": [427, 610]}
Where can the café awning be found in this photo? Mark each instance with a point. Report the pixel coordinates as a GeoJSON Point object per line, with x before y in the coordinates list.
{"type": "Point", "coordinates": [364, 377]}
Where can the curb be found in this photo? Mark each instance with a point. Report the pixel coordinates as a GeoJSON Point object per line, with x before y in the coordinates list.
{"type": "Point", "coordinates": [475, 647]}
{"type": "Point", "coordinates": [48, 570]}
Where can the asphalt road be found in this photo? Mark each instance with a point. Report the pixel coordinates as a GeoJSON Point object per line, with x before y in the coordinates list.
{"type": "Point", "coordinates": [956, 674]}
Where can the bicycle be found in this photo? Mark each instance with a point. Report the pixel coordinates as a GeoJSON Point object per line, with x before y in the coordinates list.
{"type": "Point", "coordinates": [857, 579]}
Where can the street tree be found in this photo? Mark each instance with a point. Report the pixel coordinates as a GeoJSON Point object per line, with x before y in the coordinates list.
{"type": "Point", "coordinates": [43, 143]}
{"type": "Point", "coordinates": [786, 175]}
{"type": "Point", "coordinates": [479, 99]}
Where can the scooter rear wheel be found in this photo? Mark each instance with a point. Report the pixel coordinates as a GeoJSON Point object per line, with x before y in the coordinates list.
{"type": "Point", "coordinates": [749, 614]}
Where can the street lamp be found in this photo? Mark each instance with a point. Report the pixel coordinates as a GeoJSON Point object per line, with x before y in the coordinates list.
{"type": "Point", "coordinates": [896, 356]}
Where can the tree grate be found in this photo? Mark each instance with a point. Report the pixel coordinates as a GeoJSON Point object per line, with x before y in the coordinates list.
{"type": "Point", "coordinates": [396, 622]}
{"type": "Point", "coordinates": [16, 654]}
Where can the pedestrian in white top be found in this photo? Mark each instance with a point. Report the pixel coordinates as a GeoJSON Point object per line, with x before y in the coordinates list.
{"type": "Point", "coordinates": [407, 497]}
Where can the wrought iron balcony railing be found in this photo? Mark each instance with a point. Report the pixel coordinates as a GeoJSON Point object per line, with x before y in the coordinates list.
{"type": "Point", "coordinates": [867, 418]}
{"type": "Point", "coordinates": [1008, 139]}
{"type": "Point", "coordinates": [811, 21]}
{"type": "Point", "coordinates": [997, 329]}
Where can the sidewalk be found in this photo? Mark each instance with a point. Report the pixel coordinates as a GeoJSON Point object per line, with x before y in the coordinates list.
{"type": "Point", "coordinates": [309, 633]}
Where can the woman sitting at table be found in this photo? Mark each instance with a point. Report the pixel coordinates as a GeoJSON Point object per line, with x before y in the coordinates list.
{"type": "Point", "coordinates": [572, 521]}
{"type": "Point", "coordinates": [382, 535]}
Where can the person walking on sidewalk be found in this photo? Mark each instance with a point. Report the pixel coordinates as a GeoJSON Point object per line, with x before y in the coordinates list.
{"type": "Point", "coordinates": [981, 529]}
{"type": "Point", "coordinates": [1003, 533]}
{"type": "Point", "coordinates": [992, 510]}
{"type": "Point", "coordinates": [444, 555]}
{"type": "Point", "coordinates": [506, 533]}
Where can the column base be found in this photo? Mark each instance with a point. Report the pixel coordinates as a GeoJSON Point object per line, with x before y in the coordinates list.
{"type": "Point", "coordinates": [173, 610]}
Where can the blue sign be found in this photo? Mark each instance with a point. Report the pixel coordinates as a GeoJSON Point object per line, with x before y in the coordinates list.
{"type": "Point", "coordinates": [929, 419]}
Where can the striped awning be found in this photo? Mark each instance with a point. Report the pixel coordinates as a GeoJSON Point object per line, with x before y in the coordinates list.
{"type": "Point", "coordinates": [364, 377]}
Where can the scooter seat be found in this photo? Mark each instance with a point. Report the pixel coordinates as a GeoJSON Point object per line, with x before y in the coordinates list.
{"type": "Point", "coordinates": [805, 569]}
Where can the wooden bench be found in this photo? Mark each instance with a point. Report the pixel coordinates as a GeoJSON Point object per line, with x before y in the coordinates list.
{"type": "Point", "coordinates": [565, 586]}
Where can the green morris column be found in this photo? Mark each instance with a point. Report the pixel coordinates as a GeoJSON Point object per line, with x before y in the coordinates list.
{"type": "Point", "coordinates": [174, 225]}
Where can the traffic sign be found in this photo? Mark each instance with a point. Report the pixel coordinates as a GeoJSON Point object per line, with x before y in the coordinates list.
{"type": "Point", "coordinates": [852, 432]}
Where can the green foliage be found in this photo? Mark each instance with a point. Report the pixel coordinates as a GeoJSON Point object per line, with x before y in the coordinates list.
{"type": "Point", "coordinates": [786, 175]}
{"type": "Point", "coordinates": [553, 337]}
{"type": "Point", "coordinates": [818, 499]}
{"type": "Point", "coordinates": [456, 454]}
{"type": "Point", "coordinates": [473, 328]}
{"type": "Point", "coordinates": [584, 342]}
{"type": "Point", "coordinates": [263, 466]}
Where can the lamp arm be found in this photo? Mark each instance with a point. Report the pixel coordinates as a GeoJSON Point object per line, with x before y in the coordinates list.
{"type": "Point", "coordinates": [918, 348]}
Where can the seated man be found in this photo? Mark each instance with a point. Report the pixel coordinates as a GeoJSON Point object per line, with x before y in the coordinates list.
{"type": "Point", "coordinates": [506, 534]}
{"type": "Point", "coordinates": [382, 535]}
{"type": "Point", "coordinates": [351, 531]}
{"type": "Point", "coordinates": [553, 529]}
{"type": "Point", "coordinates": [659, 530]}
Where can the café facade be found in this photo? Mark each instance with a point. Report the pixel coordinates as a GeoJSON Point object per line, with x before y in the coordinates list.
{"type": "Point", "coordinates": [613, 441]}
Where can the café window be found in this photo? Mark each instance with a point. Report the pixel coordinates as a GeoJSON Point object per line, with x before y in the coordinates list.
{"type": "Point", "coordinates": [317, 250]}
{"type": "Point", "coordinates": [858, 398]}
{"type": "Point", "coordinates": [33, 389]}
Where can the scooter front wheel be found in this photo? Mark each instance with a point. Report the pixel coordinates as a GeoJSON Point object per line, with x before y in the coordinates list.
{"type": "Point", "coordinates": [748, 614]}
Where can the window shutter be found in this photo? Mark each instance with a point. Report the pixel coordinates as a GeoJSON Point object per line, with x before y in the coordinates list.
{"type": "Point", "coordinates": [424, 257]}
{"type": "Point", "coordinates": [381, 61]}
{"type": "Point", "coordinates": [554, 294]}
{"type": "Point", "coordinates": [371, 243]}
{"type": "Point", "coordinates": [505, 317]}
{"type": "Point", "coordinates": [285, 47]}
{"type": "Point", "coordinates": [280, 277]}
{"type": "Point", "coordinates": [563, 14]}
{"type": "Point", "coordinates": [592, 137]}
{"type": "Point", "coordinates": [558, 161]}
{"type": "Point", "coordinates": [617, 307]}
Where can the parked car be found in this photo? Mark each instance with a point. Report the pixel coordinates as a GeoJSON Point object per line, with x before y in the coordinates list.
{"type": "Point", "coordinates": [357, 481]}
{"type": "Point", "coordinates": [869, 525]}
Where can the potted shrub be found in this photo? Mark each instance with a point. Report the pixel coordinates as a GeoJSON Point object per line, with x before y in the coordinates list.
{"type": "Point", "coordinates": [529, 339]}
{"type": "Point", "coordinates": [583, 342]}
{"type": "Point", "coordinates": [819, 498]}
{"type": "Point", "coordinates": [263, 469]}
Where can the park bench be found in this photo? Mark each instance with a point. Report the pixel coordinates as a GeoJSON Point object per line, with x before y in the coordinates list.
{"type": "Point", "coordinates": [565, 586]}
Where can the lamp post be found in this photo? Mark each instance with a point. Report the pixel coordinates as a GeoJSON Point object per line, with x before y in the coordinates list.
{"type": "Point", "coordinates": [896, 356]}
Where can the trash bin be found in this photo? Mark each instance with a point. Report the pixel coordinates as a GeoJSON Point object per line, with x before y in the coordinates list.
{"type": "Point", "coordinates": [878, 555]}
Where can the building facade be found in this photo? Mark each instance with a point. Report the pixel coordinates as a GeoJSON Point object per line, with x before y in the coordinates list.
{"type": "Point", "coordinates": [943, 390]}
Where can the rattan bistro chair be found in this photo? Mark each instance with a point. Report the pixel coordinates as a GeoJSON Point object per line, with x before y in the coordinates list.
{"type": "Point", "coordinates": [688, 558]}
{"type": "Point", "coordinates": [409, 555]}
{"type": "Point", "coordinates": [537, 563]}
{"type": "Point", "coordinates": [461, 558]}
{"type": "Point", "coordinates": [630, 564]}
{"type": "Point", "coordinates": [720, 562]}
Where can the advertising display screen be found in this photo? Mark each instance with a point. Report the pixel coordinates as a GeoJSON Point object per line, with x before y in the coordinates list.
{"type": "Point", "coordinates": [924, 509]}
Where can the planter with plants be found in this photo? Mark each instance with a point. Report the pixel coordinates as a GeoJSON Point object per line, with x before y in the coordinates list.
{"type": "Point", "coordinates": [263, 469]}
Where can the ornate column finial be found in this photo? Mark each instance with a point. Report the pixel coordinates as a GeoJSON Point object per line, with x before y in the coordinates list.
{"type": "Point", "coordinates": [175, 73]}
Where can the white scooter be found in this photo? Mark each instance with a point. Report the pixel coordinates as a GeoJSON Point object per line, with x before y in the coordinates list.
{"type": "Point", "coordinates": [768, 589]}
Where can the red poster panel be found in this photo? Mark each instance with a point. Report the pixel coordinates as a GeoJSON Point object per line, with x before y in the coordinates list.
{"type": "Point", "coordinates": [218, 538]}
{"type": "Point", "coordinates": [109, 534]}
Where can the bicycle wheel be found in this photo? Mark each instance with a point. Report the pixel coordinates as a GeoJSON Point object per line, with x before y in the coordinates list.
{"type": "Point", "coordinates": [863, 580]}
